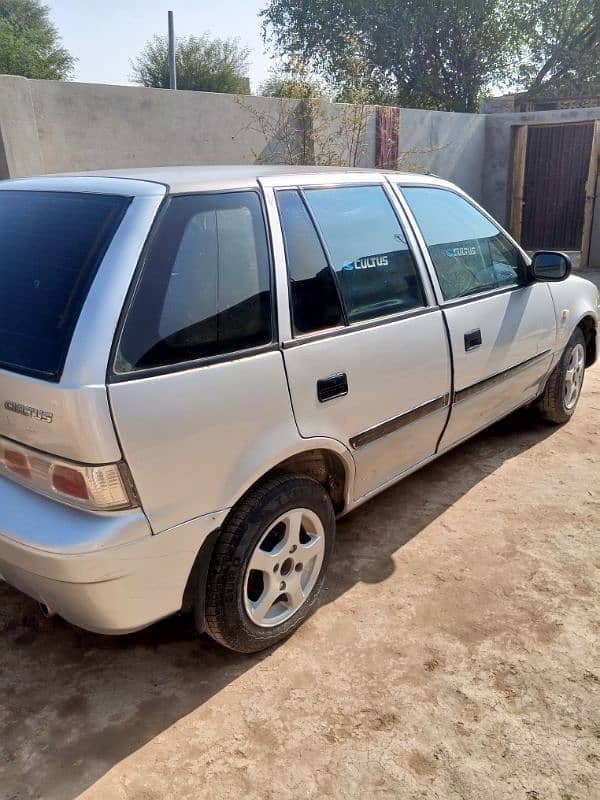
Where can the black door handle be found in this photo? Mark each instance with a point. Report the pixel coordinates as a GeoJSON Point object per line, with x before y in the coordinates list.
{"type": "Point", "coordinates": [472, 339]}
{"type": "Point", "coordinates": [334, 386]}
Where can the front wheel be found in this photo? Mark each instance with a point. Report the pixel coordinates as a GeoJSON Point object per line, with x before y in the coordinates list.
{"type": "Point", "coordinates": [557, 404]}
{"type": "Point", "coordinates": [269, 563]}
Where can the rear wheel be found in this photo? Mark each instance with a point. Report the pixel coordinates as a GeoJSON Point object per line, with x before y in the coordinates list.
{"type": "Point", "coordinates": [269, 563]}
{"type": "Point", "coordinates": [561, 395]}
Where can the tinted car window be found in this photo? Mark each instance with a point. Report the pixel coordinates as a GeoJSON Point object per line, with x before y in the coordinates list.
{"type": "Point", "coordinates": [314, 299]}
{"type": "Point", "coordinates": [369, 252]}
{"type": "Point", "coordinates": [51, 244]}
{"type": "Point", "coordinates": [468, 251]}
{"type": "Point", "coordinates": [205, 285]}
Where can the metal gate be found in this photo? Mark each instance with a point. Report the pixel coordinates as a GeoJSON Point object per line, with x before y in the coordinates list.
{"type": "Point", "coordinates": [554, 179]}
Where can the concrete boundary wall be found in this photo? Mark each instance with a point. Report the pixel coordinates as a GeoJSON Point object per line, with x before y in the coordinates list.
{"type": "Point", "coordinates": [53, 126]}
{"type": "Point", "coordinates": [444, 143]}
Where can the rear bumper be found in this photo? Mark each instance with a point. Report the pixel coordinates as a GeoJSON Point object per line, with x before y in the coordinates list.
{"type": "Point", "coordinates": [106, 573]}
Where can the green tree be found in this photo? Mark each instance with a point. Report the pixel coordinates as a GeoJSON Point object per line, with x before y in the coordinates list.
{"type": "Point", "coordinates": [563, 48]}
{"type": "Point", "coordinates": [202, 64]}
{"type": "Point", "coordinates": [439, 54]}
{"type": "Point", "coordinates": [29, 42]}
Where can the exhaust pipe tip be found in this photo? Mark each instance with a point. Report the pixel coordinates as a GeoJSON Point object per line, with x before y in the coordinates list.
{"type": "Point", "coordinates": [46, 611]}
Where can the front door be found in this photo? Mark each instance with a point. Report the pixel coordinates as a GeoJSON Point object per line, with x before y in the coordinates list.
{"type": "Point", "coordinates": [367, 356]}
{"type": "Point", "coordinates": [502, 329]}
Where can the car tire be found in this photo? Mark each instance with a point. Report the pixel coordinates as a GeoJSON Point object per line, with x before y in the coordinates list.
{"type": "Point", "coordinates": [269, 563]}
{"type": "Point", "coordinates": [563, 389]}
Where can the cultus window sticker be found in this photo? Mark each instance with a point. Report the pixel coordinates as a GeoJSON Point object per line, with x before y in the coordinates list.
{"type": "Point", "coordinates": [456, 252]}
{"type": "Point", "coordinates": [368, 262]}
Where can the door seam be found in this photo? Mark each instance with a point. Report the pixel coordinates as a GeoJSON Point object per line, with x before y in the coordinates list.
{"type": "Point", "coordinates": [451, 400]}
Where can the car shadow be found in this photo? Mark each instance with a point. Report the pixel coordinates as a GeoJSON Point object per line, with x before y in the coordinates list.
{"type": "Point", "coordinates": [75, 704]}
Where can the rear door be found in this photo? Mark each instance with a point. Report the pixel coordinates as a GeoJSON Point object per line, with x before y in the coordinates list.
{"type": "Point", "coordinates": [502, 328]}
{"type": "Point", "coordinates": [365, 348]}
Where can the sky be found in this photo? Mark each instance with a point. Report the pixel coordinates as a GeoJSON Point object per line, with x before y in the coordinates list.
{"type": "Point", "coordinates": [105, 34]}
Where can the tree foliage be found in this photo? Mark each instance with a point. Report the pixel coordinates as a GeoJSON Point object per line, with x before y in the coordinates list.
{"type": "Point", "coordinates": [562, 55]}
{"type": "Point", "coordinates": [295, 85]}
{"type": "Point", "coordinates": [29, 42]}
{"type": "Point", "coordinates": [438, 54]}
{"type": "Point", "coordinates": [202, 64]}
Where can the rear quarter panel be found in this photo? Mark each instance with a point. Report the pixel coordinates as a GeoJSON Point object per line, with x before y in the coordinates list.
{"type": "Point", "coordinates": [196, 439]}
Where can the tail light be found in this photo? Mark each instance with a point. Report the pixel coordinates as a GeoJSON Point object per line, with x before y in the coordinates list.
{"type": "Point", "coordinates": [17, 462]}
{"type": "Point", "coordinates": [108, 487]}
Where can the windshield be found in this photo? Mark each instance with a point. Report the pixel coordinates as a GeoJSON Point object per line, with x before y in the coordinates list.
{"type": "Point", "coordinates": [51, 244]}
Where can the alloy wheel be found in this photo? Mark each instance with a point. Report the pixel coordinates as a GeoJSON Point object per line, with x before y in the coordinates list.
{"type": "Point", "coordinates": [574, 376]}
{"type": "Point", "coordinates": [284, 567]}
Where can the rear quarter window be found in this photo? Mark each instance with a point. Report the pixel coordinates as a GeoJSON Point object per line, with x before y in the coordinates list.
{"type": "Point", "coordinates": [51, 244]}
{"type": "Point", "coordinates": [205, 286]}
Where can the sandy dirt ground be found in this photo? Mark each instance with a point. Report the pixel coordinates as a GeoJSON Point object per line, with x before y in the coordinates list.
{"type": "Point", "coordinates": [456, 655]}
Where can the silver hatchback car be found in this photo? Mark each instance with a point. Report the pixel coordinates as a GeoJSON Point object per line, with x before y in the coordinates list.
{"type": "Point", "coordinates": [201, 368]}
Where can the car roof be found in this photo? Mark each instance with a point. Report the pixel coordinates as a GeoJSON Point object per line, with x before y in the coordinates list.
{"type": "Point", "coordinates": [179, 179]}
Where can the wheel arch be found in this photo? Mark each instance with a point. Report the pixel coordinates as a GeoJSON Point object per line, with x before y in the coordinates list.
{"type": "Point", "coordinates": [589, 328]}
{"type": "Point", "coordinates": [325, 460]}
{"type": "Point", "coordinates": [323, 465]}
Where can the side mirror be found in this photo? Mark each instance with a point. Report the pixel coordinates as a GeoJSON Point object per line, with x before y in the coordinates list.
{"type": "Point", "coordinates": [548, 265]}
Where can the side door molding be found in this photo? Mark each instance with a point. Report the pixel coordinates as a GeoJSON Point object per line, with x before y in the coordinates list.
{"type": "Point", "coordinates": [498, 377]}
{"type": "Point", "coordinates": [395, 423]}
